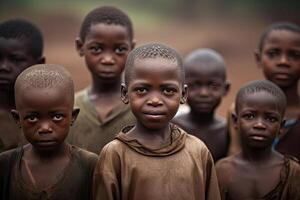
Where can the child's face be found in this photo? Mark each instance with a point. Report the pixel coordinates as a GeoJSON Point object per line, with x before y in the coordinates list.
{"type": "Point", "coordinates": [45, 116]}
{"type": "Point", "coordinates": [154, 91]}
{"type": "Point", "coordinates": [280, 58]}
{"type": "Point", "coordinates": [258, 120]}
{"type": "Point", "coordinates": [105, 50]}
{"type": "Point", "coordinates": [14, 58]}
{"type": "Point", "coordinates": [206, 87]}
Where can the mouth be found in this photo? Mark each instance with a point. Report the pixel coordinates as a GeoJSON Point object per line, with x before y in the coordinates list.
{"type": "Point", "coordinates": [154, 115]}
{"type": "Point", "coordinates": [282, 76]}
{"type": "Point", "coordinates": [45, 143]}
{"type": "Point", "coordinates": [258, 137]}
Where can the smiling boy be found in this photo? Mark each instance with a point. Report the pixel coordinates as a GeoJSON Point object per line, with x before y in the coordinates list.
{"type": "Point", "coordinates": [155, 159]}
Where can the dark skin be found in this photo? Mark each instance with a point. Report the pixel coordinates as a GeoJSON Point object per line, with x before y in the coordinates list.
{"type": "Point", "coordinates": [207, 85]}
{"type": "Point", "coordinates": [45, 116]}
{"type": "Point", "coordinates": [154, 92]}
{"type": "Point", "coordinates": [255, 171]}
{"type": "Point", "coordinates": [105, 49]}
{"type": "Point", "coordinates": [280, 62]}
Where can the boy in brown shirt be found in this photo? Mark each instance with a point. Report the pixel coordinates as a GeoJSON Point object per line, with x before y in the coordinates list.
{"type": "Point", "coordinates": [106, 38]}
{"type": "Point", "coordinates": [47, 167]}
{"type": "Point", "coordinates": [155, 159]}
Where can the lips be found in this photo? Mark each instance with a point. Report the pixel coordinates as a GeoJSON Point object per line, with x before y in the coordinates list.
{"type": "Point", "coordinates": [154, 115]}
{"type": "Point", "coordinates": [282, 76]}
{"type": "Point", "coordinates": [258, 137]}
{"type": "Point", "coordinates": [45, 143]}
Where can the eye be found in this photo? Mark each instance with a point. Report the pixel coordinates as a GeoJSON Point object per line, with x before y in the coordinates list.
{"type": "Point", "coordinates": [248, 116]}
{"type": "Point", "coordinates": [121, 50]}
{"type": "Point", "coordinates": [271, 119]}
{"type": "Point", "coordinates": [214, 86]}
{"type": "Point", "coordinates": [17, 59]}
{"type": "Point", "coordinates": [295, 55]}
{"type": "Point", "coordinates": [272, 53]}
{"type": "Point", "coordinates": [31, 118]}
{"type": "Point", "coordinates": [141, 90]}
{"type": "Point", "coordinates": [96, 49]}
{"type": "Point", "coordinates": [57, 117]}
{"type": "Point", "coordinates": [169, 91]}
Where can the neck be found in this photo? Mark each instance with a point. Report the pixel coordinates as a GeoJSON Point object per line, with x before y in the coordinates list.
{"type": "Point", "coordinates": [202, 118]}
{"type": "Point", "coordinates": [162, 134]}
{"type": "Point", "coordinates": [7, 101]}
{"type": "Point", "coordinates": [256, 155]}
{"type": "Point", "coordinates": [292, 96]}
{"type": "Point", "coordinates": [105, 87]}
{"type": "Point", "coordinates": [60, 151]}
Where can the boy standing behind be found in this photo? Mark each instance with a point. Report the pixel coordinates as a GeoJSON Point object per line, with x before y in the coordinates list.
{"type": "Point", "coordinates": [21, 45]}
{"type": "Point", "coordinates": [155, 159]}
{"type": "Point", "coordinates": [47, 167]}
{"type": "Point", "coordinates": [259, 172]}
{"type": "Point", "coordinates": [106, 38]}
{"type": "Point", "coordinates": [206, 79]}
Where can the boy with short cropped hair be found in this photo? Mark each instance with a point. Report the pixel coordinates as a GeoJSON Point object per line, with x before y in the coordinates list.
{"type": "Point", "coordinates": [106, 38]}
{"type": "Point", "coordinates": [206, 79]}
{"type": "Point", "coordinates": [155, 159]}
{"type": "Point", "coordinates": [258, 171]}
{"type": "Point", "coordinates": [278, 55]}
{"type": "Point", "coordinates": [21, 45]}
{"type": "Point", "coordinates": [47, 167]}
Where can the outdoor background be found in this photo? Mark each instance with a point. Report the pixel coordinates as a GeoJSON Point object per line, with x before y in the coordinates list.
{"type": "Point", "coordinates": [231, 27]}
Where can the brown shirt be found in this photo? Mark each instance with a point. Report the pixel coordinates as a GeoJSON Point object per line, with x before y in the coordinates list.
{"type": "Point", "coordinates": [10, 135]}
{"type": "Point", "coordinates": [287, 187]}
{"type": "Point", "coordinates": [74, 183]}
{"type": "Point", "coordinates": [182, 170]}
{"type": "Point", "coordinates": [88, 132]}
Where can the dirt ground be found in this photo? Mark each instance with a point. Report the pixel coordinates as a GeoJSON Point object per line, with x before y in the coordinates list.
{"type": "Point", "coordinates": [235, 39]}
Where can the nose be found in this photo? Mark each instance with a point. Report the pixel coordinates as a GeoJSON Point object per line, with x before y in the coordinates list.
{"type": "Point", "coordinates": [203, 91]}
{"type": "Point", "coordinates": [259, 124]}
{"type": "Point", "coordinates": [45, 128]}
{"type": "Point", "coordinates": [283, 60]}
{"type": "Point", "coordinates": [5, 66]}
{"type": "Point", "coordinates": [154, 101]}
{"type": "Point", "coordinates": [107, 59]}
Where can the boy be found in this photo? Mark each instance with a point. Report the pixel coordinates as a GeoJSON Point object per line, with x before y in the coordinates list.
{"type": "Point", "coordinates": [21, 45]}
{"type": "Point", "coordinates": [106, 38]}
{"type": "Point", "coordinates": [47, 167]}
{"type": "Point", "coordinates": [155, 159]}
{"type": "Point", "coordinates": [278, 55]}
{"type": "Point", "coordinates": [258, 172]}
{"type": "Point", "coordinates": [206, 79]}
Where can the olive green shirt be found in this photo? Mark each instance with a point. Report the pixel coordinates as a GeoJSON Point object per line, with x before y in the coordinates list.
{"type": "Point", "coordinates": [88, 132]}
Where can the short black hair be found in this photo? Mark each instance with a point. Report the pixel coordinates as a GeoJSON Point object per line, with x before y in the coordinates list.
{"type": "Point", "coordinates": [261, 86]}
{"type": "Point", "coordinates": [45, 76]}
{"type": "Point", "coordinates": [152, 50]}
{"type": "Point", "coordinates": [277, 26]}
{"type": "Point", "coordinates": [106, 15]}
{"type": "Point", "coordinates": [24, 30]}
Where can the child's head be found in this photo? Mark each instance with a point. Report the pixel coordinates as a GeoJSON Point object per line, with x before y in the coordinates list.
{"type": "Point", "coordinates": [44, 96]}
{"type": "Point", "coordinates": [205, 75]}
{"type": "Point", "coordinates": [21, 45]}
{"type": "Point", "coordinates": [154, 84]}
{"type": "Point", "coordinates": [260, 107]}
{"type": "Point", "coordinates": [106, 38]}
{"type": "Point", "coordinates": [278, 54]}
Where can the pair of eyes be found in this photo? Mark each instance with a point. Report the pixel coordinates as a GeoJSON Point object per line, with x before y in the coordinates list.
{"type": "Point", "coordinates": [35, 118]}
{"type": "Point", "coordinates": [96, 49]}
{"type": "Point", "coordinates": [16, 58]}
{"type": "Point", "coordinates": [166, 91]}
{"type": "Point", "coordinates": [274, 53]}
{"type": "Point", "coordinates": [252, 116]}
{"type": "Point", "coordinates": [209, 85]}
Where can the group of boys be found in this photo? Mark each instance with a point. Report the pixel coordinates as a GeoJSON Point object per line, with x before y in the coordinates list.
{"type": "Point", "coordinates": [142, 153]}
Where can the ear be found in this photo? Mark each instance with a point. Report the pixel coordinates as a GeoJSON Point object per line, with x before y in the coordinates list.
{"type": "Point", "coordinates": [257, 57]}
{"type": "Point", "coordinates": [124, 93]}
{"type": "Point", "coordinates": [79, 46]}
{"type": "Point", "coordinates": [16, 116]}
{"type": "Point", "coordinates": [234, 119]}
{"type": "Point", "coordinates": [184, 94]}
{"type": "Point", "coordinates": [226, 88]}
{"type": "Point", "coordinates": [75, 113]}
{"type": "Point", "coordinates": [41, 60]}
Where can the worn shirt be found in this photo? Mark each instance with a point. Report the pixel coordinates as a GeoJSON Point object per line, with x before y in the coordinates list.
{"type": "Point", "coordinates": [286, 188]}
{"type": "Point", "coordinates": [182, 170]}
{"type": "Point", "coordinates": [10, 135]}
{"type": "Point", "coordinates": [88, 132]}
{"type": "Point", "coordinates": [75, 181]}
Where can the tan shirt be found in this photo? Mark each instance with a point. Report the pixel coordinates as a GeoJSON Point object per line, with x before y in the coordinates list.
{"type": "Point", "coordinates": [182, 170]}
{"type": "Point", "coordinates": [88, 132]}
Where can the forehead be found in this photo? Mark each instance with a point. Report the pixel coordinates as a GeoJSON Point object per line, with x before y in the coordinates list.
{"type": "Point", "coordinates": [99, 30]}
{"type": "Point", "coordinates": [155, 69]}
{"type": "Point", "coordinates": [260, 101]}
{"type": "Point", "coordinates": [283, 37]}
{"type": "Point", "coordinates": [16, 46]}
{"type": "Point", "coordinates": [208, 69]}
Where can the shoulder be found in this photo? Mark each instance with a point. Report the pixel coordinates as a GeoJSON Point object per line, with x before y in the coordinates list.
{"type": "Point", "coordinates": [113, 148]}
{"type": "Point", "coordinates": [226, 163]}
{"type": "Point", "coordinates": [85, 156]}
{"type": "Point", "coordinates": [80, 96]}
{"type": "Point", "coordinates": [4, 156]}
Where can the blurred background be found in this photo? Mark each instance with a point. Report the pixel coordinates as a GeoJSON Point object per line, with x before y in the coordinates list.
{"type": "Point", "coordinates": [231, 27]}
